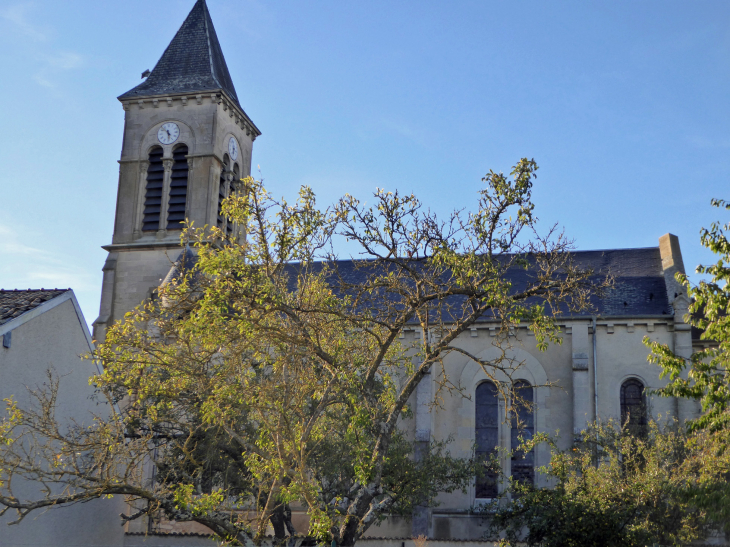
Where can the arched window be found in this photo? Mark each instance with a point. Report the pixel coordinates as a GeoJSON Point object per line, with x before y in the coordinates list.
{"type": "Point", "coordinates": [178, 188]}
{"type": "Point", "coordinates": [153, 194]}
{"type": "Point", "coordinates": [236, 178]}
{"type": "Point", "coordinates": [487, 436]}
{"type": "Point", "coordinates": [523, 425]}
{"type": "Point", "coordinates": [633, 406]}
{"type": "Point", "coordinates": [222, 191]}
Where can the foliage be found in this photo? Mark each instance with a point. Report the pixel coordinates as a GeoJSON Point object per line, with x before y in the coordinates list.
{"type": "Point", "coordinates": [268, 374]}
{"type": "Point", "coordinates": [616, 489]}
{"type": "Point", "coordinates": [708, 370]}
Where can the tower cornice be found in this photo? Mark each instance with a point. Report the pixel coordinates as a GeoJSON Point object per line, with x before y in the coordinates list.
{"type": "Point", "coordinates": [218, 97]}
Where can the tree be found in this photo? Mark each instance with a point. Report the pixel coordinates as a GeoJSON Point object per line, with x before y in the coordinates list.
{"type": "Point", "coordinates": [708, 370]}
{"type": "Point", "coordinates": [705, 375]}
{"type": "Point", "coordinates": [614, 488]}
{"type": "Point", "coordinates": [270, 374]}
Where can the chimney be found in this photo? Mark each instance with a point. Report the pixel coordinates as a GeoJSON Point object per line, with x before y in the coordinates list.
{"type": "Point", "coordinates": [671, 264]}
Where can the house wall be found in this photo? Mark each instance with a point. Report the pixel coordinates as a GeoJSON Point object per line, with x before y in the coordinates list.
{"type": "Point", "coordinates": [55, 340]}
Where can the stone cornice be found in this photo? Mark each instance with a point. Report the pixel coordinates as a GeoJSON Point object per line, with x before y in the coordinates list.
{"type": "Point", "coordinates": [492, 328]}
{"type": "Point", "coordinates": [143, 246]}
{"type": "Point", "coordinates": [218, 97]}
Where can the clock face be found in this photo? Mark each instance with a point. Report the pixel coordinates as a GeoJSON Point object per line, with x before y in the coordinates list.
{"type": "Point", "coordinates": [233, 148]}
{"type": "Point", "coordinates": [168, 133]}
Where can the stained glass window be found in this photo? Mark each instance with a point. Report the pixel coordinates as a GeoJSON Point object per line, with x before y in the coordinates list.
{"type": "Point", "coordinates": [633, 406]}
{"type": "Point", "coordinates": [487, 437]}
{"type": "Point", "coordinates": [522, 428]}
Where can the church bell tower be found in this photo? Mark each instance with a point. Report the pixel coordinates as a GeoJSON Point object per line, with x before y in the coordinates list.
{"type": "Point", "coordinates": [186, 139]}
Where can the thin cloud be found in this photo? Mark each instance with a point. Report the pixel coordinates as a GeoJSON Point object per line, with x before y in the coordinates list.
{"type": "Point", "coordinates": [25, 266]}
{"type": "Point", "coordinates": [41, 79]}
{"type": "Point", "coordinates": [17, 15]}
{"type": "Point", "coordinates": [27, 35]}
{"type": "Point", "coordinates": [55, 64]}
{"type": "Point", "coordinates": [10, 246]}
{"type": "Point", "coordinates": [405, 130]}
{"type": "Point", "coordinates": [65, 60]}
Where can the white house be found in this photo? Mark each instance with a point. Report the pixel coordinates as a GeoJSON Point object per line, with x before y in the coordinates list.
{"type": "Point", "coordinates": [43, 330]}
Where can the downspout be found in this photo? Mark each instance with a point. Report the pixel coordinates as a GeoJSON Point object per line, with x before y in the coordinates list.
{"type": "Point", "coordinates": [595, 375]}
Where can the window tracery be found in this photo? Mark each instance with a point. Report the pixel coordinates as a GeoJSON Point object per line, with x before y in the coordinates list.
{"type": "Point", "coordinates": [487, 436]}
{"type": "Point", "coordinates": [633, 406]}
{"type": "Point", "coordinates": [522, 428]}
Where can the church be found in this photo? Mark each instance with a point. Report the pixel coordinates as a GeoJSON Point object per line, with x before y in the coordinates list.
{"type": "Point", "coordinates": [187, 141]}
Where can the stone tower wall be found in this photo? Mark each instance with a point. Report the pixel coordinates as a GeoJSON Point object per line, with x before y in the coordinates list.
{"type": "Point", "coordinates": [138, 260]}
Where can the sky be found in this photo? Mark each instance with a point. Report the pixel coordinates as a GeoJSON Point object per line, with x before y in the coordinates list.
{"type": "Point", "coordinates": [623, 104]}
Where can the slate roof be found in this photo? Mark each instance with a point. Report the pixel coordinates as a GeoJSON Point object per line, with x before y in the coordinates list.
{"type": "Point", "coordinates": [638, 287]}
{"type": "Point", "coordinates": [16, 302]}
{"type": "Point", "coordinates": [193, 61]}
{"type": "Point", "coordinates": [186, 260]}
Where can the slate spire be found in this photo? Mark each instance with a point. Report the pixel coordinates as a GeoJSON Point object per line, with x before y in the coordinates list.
{"type": "Point", "coordinates": [193, 61]}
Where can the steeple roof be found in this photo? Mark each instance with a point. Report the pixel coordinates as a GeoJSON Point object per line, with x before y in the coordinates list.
{"type": "Point", "coordinates": [193, 61]}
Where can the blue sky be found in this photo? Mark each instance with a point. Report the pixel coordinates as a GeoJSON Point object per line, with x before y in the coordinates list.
{"type": "Point", "coordinates": [624, 105]}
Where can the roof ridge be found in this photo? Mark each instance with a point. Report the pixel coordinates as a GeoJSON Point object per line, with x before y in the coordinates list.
{"type": "Point", "coordinates": [34, 290]}
{"type": "Point", "coordinates": [210, 45]}
{"type": "Point", "coordinates": [614, 249]}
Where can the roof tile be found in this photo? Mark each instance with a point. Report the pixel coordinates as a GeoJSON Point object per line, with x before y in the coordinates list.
{"type": "Point", "coordinates": [15, 303]}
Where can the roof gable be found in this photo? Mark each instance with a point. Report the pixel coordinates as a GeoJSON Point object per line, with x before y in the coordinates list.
{"type": "Point", "coordinates": [192, 62]}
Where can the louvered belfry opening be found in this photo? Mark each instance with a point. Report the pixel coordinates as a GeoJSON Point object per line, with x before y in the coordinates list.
{"type": "Point", "coordinates": [178, 188]}
{"type": "Point", "coordinates": [153, 195]}
{"type": "Point", "coordinates": [222, 191]}
{"type": "Point", "coordinates": [236, 178]}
